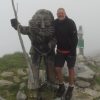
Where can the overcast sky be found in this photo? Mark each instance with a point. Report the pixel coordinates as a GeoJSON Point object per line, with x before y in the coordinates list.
{"type": "Point", "coordinates": [83, 12]}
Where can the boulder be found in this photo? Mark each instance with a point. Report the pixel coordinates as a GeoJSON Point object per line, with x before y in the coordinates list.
{"type": "Point", "coordinates": [81, 58]}
{"type": "Point", "coordinates": [5, 83]}
{"type": "Point", "coordinates": [25, 78]}
{"type": "Point", "coordinates": [22, 85]}
{"type": "Point", "coordinates": [2, 98]}
{"type": "Point", "coordinates": [92, 93]}
{"type": "Point", "coordinates": [82, 84]}
{"type": "Point", "coordinates": [84, 72]}
{"type": "Point", "coordinates": [21, 96]}
{"type": "Point", "coordinates": [21, 72]}
{"type": "Point", "coordinates": [16, 79]}
{"type": "Point", "coordinates": [7, 74]}
{"type": "Point", "coordinates": [96, 87]}
{"type": "Point", "coordinates": [57, 99]}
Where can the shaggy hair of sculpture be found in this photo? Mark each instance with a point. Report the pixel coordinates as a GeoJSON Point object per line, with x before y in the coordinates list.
{"type": "Point", "coordinates": [35, 23]}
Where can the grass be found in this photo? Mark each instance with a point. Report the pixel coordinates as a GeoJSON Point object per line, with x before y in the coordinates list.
{"type": "Point", "coordinates": [98, 98]}
{"type": "Point", "coordinates": [9, 92]}
{"type": "Point", "coordinates": [12, 61]}
{"type": "Point", "coordinates": [97, 80]}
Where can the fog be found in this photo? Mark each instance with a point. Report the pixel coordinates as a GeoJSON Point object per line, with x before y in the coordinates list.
{"type": "Point", "coordinates": [83, 12]}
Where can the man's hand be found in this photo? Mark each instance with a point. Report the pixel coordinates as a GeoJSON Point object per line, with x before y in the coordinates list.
{"type": "Point", "coordinates": [14, 23]}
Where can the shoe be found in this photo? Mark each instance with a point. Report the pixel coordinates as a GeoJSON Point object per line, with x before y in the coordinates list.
{"type": "Point", "coordinates": [60, 90]}
{"type": "Point", "coordinates": [69, 93]}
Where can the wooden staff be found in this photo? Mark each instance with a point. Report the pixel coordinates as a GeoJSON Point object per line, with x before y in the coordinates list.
{"type": "Point", "coordinates": [28, 60]}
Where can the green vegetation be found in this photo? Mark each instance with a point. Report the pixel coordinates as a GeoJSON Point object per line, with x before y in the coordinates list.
{"type": "Point", "coordinates": [97, 80]}
{"type": "Point", "coordinates": [9, 92]}
{"type": "Point", "coordinates": [12, 61]}
{"type": "Point", "coordinates": [97, 98]}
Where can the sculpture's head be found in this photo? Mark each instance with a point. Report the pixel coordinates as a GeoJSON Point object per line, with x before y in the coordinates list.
{"type": "Point", "coordinates": [42, 23]}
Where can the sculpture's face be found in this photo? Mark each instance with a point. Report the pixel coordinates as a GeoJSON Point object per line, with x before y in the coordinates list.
{"type": "Point", "coordinates": [42, 23]}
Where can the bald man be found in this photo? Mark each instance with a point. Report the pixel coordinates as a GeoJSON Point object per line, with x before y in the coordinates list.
{"type": "Point", "coordinates": [66, 35]}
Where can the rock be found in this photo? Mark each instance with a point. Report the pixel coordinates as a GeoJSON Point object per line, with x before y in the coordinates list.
{"type": "Point", "coordinates": [57, 99]}
{"type": "Point", "coordinates": [80, 95]}
{"type": "Point", "coordinates": [84, 72]}
{"type": "Point", "coordinates": [98, 64]}
{"type": "Point", "coordinates": [21, 72]}
{"type": "Point", "coordinates": [96, 87]}
{"type": "Point", "coordinates": [25, 78]}
{"type": "Point", "coordinates": [16, 79]}
{"type": "Point", "coordinates": [21, 96]}
{"type": "Point", "coordinates": [2, 98]}
{"type": "Point", "coordinates": [97, 58]}
{"type": "Point", "coordinates": [95, 61]}
{"type": "Point", "coordinates": [42, 75]}
{"type": "Point", "coordinates": [5, 83]}
{"type": "Point", "coordinates": [82, 84]}
{"type": "Point", "coordinates": [22, 85]}
{"type": "Point", "coordinates": [7, 74]}
{"type": "Point", "coordinates": [92, 93]}
{"type": "Point", "coordinates": [81, 58]}
{"type": "Point", "coordinates": [27, 70]}
{"type": "Point", "coordinates": [84, 98]}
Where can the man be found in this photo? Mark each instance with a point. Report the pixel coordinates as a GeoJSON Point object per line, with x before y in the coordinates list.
{"type": "Point", "coordinates": [66, 35]}
{"type": "Point", "coordinates": [41, 33]}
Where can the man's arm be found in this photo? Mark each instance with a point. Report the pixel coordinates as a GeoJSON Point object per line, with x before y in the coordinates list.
{"type": "Point", "coordinates": [23, 29]}
{"type": "Point", "coordinates": [73, 34]}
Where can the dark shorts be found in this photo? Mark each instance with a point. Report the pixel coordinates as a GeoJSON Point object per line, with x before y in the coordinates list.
{"type": "Point", "coordinates": [61, 58]}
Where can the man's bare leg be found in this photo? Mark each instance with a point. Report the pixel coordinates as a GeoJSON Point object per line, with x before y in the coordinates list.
{"type": "Point", "coordinates": [71, 76]}
{"type": "Point", "coordinates": [69, 92]}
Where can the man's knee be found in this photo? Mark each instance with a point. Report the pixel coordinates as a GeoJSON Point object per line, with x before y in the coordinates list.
{"type": "Point", "coordinates": [58, 68]}
{"type": "Point", "coordinates": [70, 68]}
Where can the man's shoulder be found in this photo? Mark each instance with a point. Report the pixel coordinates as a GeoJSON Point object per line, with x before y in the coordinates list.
{"type": "Point", "coordinates": [71, 21]}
